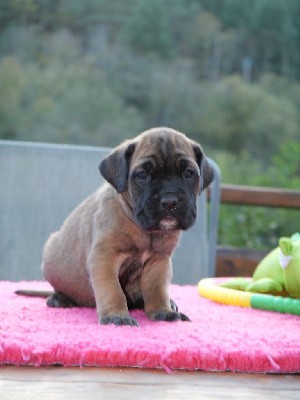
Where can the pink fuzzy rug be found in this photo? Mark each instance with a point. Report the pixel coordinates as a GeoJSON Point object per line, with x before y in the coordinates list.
{"type": "Point", "coordinates": [220, 337]}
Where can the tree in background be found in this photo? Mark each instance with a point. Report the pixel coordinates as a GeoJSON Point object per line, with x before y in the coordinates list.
{"type": "Point", "coordinates": [239, 116]}
{"type": "Point", "coordinates": [148, 29]}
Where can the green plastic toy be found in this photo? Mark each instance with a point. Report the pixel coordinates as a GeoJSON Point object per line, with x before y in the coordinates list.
{"type": "Point", "coordinates": [278, 273]}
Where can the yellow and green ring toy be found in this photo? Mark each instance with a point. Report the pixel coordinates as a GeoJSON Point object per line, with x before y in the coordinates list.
{"type": "Point", "coordinates": [210, 289]}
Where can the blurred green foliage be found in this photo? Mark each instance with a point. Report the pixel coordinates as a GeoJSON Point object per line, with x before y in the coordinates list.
{"type": "Point", "coordinates": [258, 227]}
{"type": "Point", "coordinates": [226, 72]}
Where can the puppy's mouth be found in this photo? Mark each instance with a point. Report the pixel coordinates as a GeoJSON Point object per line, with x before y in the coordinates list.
{"type": "Point", "coordinates": [168, 223]}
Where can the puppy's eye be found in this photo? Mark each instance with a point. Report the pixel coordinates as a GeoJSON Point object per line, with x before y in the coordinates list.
{"type": "Point", "coordinates": [188, 173]}
{"type": "Point", "coordinates": [142, 175]}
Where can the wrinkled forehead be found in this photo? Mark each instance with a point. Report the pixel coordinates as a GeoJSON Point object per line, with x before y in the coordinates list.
{"type": "Point", "coordinates": [163, 150]}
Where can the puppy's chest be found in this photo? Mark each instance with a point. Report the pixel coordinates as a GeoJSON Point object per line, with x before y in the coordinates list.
{"type": "Point", "coordinates": [132, 268]}
{"type": "Point", "coordinates": [163, 244]}
{"type": "Point", "coordinates": [143, 252]}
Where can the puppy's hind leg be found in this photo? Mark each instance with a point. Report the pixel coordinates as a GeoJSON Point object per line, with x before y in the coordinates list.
{"type": "Point", "coordinates": [60, 300]}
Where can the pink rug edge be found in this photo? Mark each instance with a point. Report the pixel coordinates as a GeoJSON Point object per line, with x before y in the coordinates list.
{"type": "Point", "coordinates": [87, 358]}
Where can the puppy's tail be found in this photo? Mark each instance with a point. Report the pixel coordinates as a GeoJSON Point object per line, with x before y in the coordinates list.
{"type": "Point", "coordinates": [34, 293]}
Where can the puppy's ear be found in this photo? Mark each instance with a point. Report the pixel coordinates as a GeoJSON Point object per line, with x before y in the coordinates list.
{"type": "Point", "coordinates": [115, 167]}
{"type": "Point", "coordinates": [206, 170]}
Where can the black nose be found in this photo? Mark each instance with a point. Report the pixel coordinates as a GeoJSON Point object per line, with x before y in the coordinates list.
{"type": "Point", "coordinates": [169, 201]}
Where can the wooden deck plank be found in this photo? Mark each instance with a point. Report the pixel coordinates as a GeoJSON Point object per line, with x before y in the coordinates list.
{"type": "Point", "coordinates": [233, 261]}
{"type": "Point", "coordinates": [260, 196]}
{"type": "Point", "coordinates": [127, 383]}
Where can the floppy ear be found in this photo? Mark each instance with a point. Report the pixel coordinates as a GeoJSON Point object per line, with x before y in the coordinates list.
{"type": "Point", "coordinates": [206, 170]}
{"type": "Point", "coordinates": [115, 167]}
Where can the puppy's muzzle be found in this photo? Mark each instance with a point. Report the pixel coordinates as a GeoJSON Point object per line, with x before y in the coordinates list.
{"type": "Point", "coordinates": [169, 201]}
{"type": "Point", "coordinates": [166, 210]}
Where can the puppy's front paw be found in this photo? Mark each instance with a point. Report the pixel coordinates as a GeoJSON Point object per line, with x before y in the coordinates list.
{"type": "Point", "coordinates": [119, 320]}
{"type": "Point", "coordinates": [169, 316]}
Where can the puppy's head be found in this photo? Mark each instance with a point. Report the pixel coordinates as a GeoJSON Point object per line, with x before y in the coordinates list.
{"type": "Point", "coordinates": [163, 172]}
